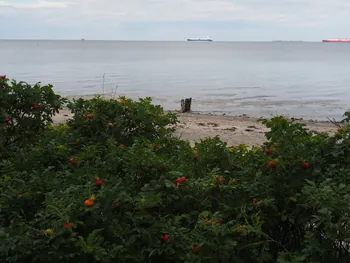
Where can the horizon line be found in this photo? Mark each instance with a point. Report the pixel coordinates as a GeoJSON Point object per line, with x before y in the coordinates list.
{"type": "Point", "coordinates": [143, 40]}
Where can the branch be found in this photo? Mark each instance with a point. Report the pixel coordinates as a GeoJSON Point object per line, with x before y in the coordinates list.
{"type": "Point", "coordinates": [334, 122]}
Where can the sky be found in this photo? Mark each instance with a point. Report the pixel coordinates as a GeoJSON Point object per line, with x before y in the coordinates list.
{"type": "Point", "coordinates": [222, 20]}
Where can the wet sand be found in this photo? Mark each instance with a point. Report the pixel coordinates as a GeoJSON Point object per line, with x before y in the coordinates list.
{"type": "Point", "coordinates": [233, 130]}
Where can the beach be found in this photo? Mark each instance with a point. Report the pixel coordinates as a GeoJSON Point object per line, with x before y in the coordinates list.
{"type": "Point", "coordinates": [233, 130]}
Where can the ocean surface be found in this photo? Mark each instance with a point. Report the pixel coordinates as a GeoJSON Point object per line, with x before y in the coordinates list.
{"type": "Point", "coordinates": [298, 79]}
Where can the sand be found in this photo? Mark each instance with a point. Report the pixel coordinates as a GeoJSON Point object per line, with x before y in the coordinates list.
{"type": "Point", "coordinates": [233, 130]}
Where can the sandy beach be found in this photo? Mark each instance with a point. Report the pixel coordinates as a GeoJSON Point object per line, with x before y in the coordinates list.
{"type": "Point", "coordinates": [233, 130]}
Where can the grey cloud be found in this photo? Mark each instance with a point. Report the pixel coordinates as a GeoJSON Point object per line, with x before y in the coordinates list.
{"type": "Point", "coordinates": [321, 16]}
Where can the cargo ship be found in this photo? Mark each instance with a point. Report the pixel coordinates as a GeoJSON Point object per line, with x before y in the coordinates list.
{"type": "Point", "coordinates": [200, 39]}
{"type": "Point", "coordinates": [337, 40]}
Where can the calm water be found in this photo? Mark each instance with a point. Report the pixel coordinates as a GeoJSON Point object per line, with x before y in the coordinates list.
{"type": "Point", "coordinates": [310, 80]}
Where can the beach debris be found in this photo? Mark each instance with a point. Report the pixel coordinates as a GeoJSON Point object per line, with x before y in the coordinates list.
{"type": "Point", "coordinates": [186, 105]}
{"type": "Point", "coordinates": [231, 129]}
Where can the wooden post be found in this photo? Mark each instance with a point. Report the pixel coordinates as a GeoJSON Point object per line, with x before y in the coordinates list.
{"type": "Point", "coordinates": [186, 105]}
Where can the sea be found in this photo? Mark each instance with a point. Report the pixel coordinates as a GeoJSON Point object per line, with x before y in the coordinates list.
{"type": "Point", "coordinates": [260, 79]}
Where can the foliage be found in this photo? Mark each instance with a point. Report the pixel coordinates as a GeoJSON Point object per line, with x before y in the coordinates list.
{"type": "Point", "coordinates": [24, 112]}
{"type": "Point", "coordinates": [114, 185]}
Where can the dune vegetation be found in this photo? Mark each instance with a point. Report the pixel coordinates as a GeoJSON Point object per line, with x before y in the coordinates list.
{"type": "Point", "coordinates": [113, 184]}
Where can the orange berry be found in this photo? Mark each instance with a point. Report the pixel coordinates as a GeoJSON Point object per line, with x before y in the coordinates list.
{"type": "Point", "coordinates": [272, 164]}
{"type": "Point", "coordinates": [240, 231]}
{"type": "Point", "coordinates": [88, 203]}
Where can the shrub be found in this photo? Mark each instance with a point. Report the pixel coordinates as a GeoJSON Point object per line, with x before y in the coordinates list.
{"type": "Point", "coordinates": [25, 110]}
{"type": "Point", "coordinates": [122, 120]}
{"type": "Point", "coordinates": [114, 185]}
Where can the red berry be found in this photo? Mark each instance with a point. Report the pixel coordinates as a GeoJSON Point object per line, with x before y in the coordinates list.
{"type": "Point", "coordinates": [272, 164]}
{"type": "Point", "coordinates": [36, 107]}
{"type": "Point", "coordinates": [195, 250]}
{"type": "Point", "coordinates": [122, 145]}
{"type": "Point", "coordinates": [98, 183]}
{"type": "Point", "coordinates": [195, 157]}
{"type": "Point", "coordinates": [255, 200]}
{"type": "Point", "coordinates": [72, 161]}
{"type": "Point", "coordinates": [219, 180]}
{"type": "Point", "coordinates": [90, 116]}
{"type": "Point", "coordinates": [8, 119]}
{"type": "Point", "coordinates": [117, 203]}
{"type": "Point", "coordinates": [183, 179]}
{"type": "Point", "coordinates": [75, 143]}
{"type": "Point", "coordinates": [20, 195]}
{"type": "Point", "coordinates": [66, 225]}
{"type": "Point", "coordinates": [219, 221]}
{"type": "Point", "coordinates": [268, 151]}
{"type": "Point", "coordinates": [234, 181]}
{"type": "Point", "coordinates": [162, 165]}
{"type": "Point", "coordinates": [165, 238]}
{"type": "Point", "coordinates": [305, 165]}
{"type": "Point", "coordinates": [178, 181]}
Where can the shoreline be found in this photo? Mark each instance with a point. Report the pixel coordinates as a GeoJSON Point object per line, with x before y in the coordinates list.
{"type": "Point", "coordinates": [233, 130]}
{"type": "Point", "coordinates": [312, 111]}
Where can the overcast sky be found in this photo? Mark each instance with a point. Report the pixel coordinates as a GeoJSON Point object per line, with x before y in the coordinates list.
{"type": "Point", "coordinates": [227, 20]}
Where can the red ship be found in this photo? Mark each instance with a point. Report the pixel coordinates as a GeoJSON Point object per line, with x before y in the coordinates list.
{"type": "Point", "coordinates": [337, 40]}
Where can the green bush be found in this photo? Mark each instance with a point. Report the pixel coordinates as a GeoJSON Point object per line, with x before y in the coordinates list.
{"type": "Point", "coordinates": [114, 185]}
{"type": "Point", "coordinates": [25, 110]}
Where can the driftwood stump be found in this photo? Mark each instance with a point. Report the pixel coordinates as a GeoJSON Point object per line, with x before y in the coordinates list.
{"type": "Point", "coordinates": [186, 105]}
